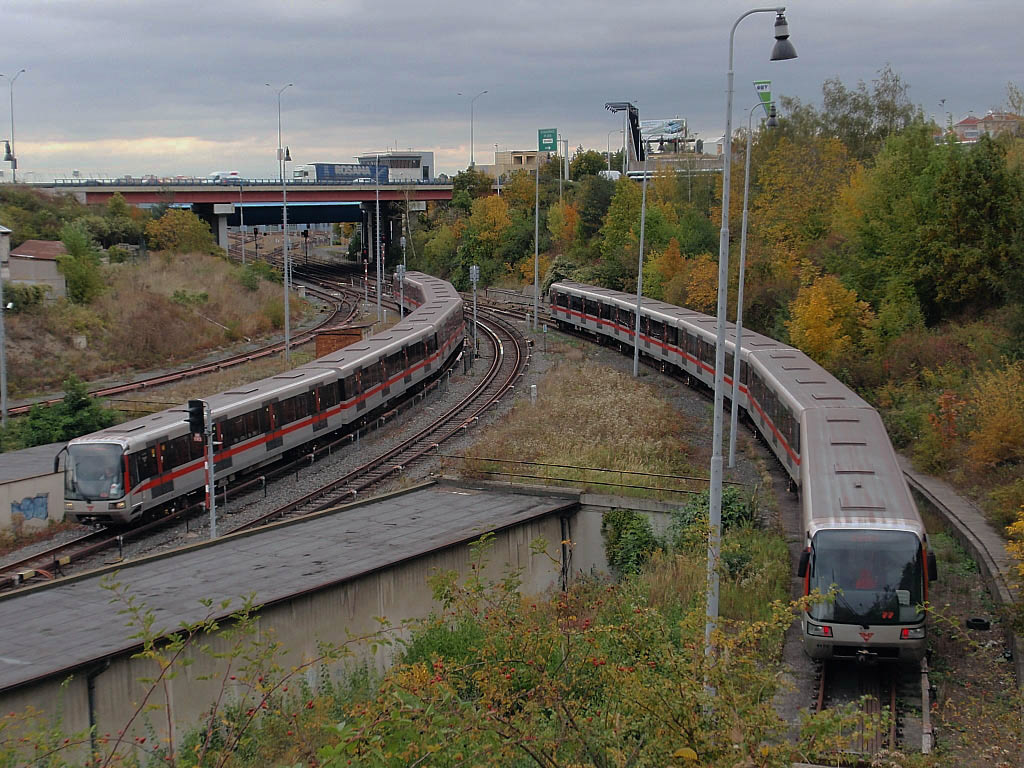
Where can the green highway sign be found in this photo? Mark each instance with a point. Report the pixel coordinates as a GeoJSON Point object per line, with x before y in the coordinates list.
{"type": "Point", "coordinates": [547, 140]}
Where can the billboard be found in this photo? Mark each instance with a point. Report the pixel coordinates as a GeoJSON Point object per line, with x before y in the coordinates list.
{"type": "Point", "coordinates": [672, 128]}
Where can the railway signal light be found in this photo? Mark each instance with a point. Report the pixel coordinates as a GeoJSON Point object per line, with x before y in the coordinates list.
{"type": "Point", "coordinates": [197, 416]}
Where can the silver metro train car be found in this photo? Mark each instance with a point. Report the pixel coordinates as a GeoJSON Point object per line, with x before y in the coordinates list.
{"type": "Point", "coordinates": [864, 539]}
{"type": "Point", "coordinates": [118, 475]}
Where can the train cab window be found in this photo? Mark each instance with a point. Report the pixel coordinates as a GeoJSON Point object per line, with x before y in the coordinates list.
{"type": "Point", "coordinates": [143, 464]}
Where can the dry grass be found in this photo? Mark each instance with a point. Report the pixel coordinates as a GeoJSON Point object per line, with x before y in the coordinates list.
{"type": "Point", "coordinates": [591, 416]}
{"type": "Point", "coordinates": [170, 395]}
{"type": "Point", "coordinates": [136, 324]}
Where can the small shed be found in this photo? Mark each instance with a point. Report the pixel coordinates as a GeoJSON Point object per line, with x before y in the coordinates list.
{"type": "Point", "coordinates": [34, 262]}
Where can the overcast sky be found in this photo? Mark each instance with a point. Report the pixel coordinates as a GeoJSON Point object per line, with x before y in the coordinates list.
{"type": "Point", "coordinates": [139, 86]}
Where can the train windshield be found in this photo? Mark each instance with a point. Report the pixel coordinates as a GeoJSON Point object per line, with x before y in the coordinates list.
{"type": "Point", "coordinates": [879, 576]}
{"type": "Point", "coordinates": [94, 471]}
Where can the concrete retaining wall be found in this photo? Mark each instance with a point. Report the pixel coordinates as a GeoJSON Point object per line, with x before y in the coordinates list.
{"type": "Point", "coordinates": [330, 615]}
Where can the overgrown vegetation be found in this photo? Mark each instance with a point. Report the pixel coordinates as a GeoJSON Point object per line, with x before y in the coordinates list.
{"type": "Point", "coordinates": [578, 424]}
{"type": "Point", "coordinates": [77, 414]}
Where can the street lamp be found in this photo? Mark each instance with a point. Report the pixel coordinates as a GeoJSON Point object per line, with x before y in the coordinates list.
{"type": "Point", "coordinates": [283, 157]}
{"type": "Point", "coordinates": [609, 145]}
{"type": "Point", "coordinates": [241, 213]}
{"type": "Point", "coordinates": [376, 226]}
{"type": "Point", "coordinates": [783, 50]}
{"type": "Point", "coordinates": [9, 155]}
{"type": "Point", "coordinates": [640, 270]}
{"type": "Point", "coordinates": [772, 123]}
{"type": "Point", "coordinates": [471, 102]}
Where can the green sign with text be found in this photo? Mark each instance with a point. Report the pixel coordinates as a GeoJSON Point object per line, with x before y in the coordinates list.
{"type": "Point", "coordinates": [547, 139]}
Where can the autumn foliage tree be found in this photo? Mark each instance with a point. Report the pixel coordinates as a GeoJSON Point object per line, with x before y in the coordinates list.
{"type": "Point", "coordinates": [180, 231]}
{"type": "Point", "coordinates": [828, 321]}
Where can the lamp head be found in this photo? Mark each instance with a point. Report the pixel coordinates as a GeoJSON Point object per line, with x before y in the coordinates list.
{"type": "Point", "coordinates": [783, 49]}
{"type": "Point", "coordinates": [7, 152]}
{"type": "Point", "coordinates": [287, 155]}
{"type": "Point", "coordinates": [772, 118]}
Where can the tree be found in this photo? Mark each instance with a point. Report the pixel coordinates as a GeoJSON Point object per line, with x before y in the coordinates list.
{"type": "Point", "coordinates": [586, 163]}
{"type": "Point", "coordinates": [180, 231]}
{"type": "Point", "coordinates": [77, 414]}
{"type": "Point", "coordinates": [861, 118]}
{"type": "Point", "coordinates": [473, 182]}
{"type": "Point", "coordinates": [828, 320]}
{"type": "Point", "coordinates": [80, 265]}
{"type": "Point", "coordinates": [563, 223]}
{"type": "Point", "coordinates": [593, 196]}
{"type": "Point", "coordinates": [519, 190]}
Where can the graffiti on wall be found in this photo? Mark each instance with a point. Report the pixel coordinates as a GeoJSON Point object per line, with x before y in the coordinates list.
{"type": "Point", "coordinates": [31, 508]}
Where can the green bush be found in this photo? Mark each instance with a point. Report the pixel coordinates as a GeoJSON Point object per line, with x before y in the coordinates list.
{"type": "Point", "coordinates": [457, 642]}
{"type": "Point", "coordinates": [254, 272]}
{"type": "Point", "coordinates": [629, 540]}
{"type": "Point", "coordinates": [190, 299]}
{"type": "Point", "coordinates": [737, 510]}
{"type": "Point", "coordinates": [24, 296]}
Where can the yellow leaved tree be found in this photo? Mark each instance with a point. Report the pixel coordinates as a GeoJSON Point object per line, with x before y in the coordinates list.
{"type": "Point", "coordinates": [827, 320]}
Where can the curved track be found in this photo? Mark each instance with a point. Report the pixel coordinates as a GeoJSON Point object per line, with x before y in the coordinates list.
{"type": "Point", "coordinates": [507, 366]}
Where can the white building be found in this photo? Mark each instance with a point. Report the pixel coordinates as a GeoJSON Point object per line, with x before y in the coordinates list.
{"type": "Point", "coordinates": [403, 166]}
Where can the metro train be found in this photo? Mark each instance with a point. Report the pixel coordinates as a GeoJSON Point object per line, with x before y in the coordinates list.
{"type": "Point", "coordinates": [120, 474]}
{"type": "Point", "coordinates": [863, 533]}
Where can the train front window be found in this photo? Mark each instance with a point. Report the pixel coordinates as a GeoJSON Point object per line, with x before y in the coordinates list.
{"type": "Point", "coordinates": [94, 471]}
{"type": "Point", "coordinates": [878, 576]}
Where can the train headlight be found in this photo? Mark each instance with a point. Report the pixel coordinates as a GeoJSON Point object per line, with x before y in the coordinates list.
{"type": "Point", "coordinates": [116, 505]}
{"type": "Point", "coordinates": [912, 633]}
{"type": "Point", "coordinates": [68, 505]}
{"type": "Point", "coordinates": [819, 630]}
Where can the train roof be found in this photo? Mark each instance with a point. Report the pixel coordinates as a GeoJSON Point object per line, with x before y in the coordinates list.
{"type": "Point", "coordinates": [853, 479]}
{"type": "Point", "coordinates": [806, 384]}
{"type": "Point", "coordinates": [439, 297]}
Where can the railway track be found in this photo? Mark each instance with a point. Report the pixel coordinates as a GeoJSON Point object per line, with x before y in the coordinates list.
{"type": "Point", "coordinates": [891, 701]}
{"type": "Point", "coordinates": [507, 365]}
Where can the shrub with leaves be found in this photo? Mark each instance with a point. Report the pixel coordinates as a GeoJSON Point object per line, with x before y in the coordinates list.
{"type": "Point", "coordinates": [629, 540]}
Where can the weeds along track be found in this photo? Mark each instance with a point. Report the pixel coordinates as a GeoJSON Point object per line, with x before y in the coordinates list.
{"type": "Point", "coordinates": [887, 705]}
{"type": "Point", "coordinates": [340, 312]}
{"type": "Point", "coordinates": [508, 360]}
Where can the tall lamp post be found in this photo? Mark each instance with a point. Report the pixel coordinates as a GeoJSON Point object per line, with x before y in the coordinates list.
{"type": "Point", "coordinates": [772, 123]}
{"type": "Point", "coordinates": [472, 101]}
{"type": "Point", "coordinates": [376, 230]}
{"type": "Point", "coordinates": [9, 154]}
{"type": "Point", "coordinates": [640, 270]}
{"type": "Point", "coordinates": [241, 214]}
{"type": "Point", "coordinates": [783, 50]}
{"type": "Point", "coordinates": [283, 157]}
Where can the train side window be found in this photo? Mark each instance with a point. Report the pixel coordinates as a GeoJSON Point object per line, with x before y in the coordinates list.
{"type": "Point", "coordinates": [432, 344]}
{"type": "Point", "coordinates": [328, 395]}
{"type": "Point", "coordinates": [563, 300]}
{"type": "Point", "coordinates": [744, 372]}
{"type": "Point", "coordinates": [576, 303]}
{"type": "Point", "coordinates": [672, 335]}
{"type": "Point", "coordinates": [270, 417]}
{"type": "Point", "coordinates": [657, 329]}
{"type": "Point", "coordinates": [729, 359]}
{"type": "Point", "coordinates": [143, 464]}
{"type": "Point", "coordinates": [176, 452]}
{"type": "Point", "coordinates": [591, 307]}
